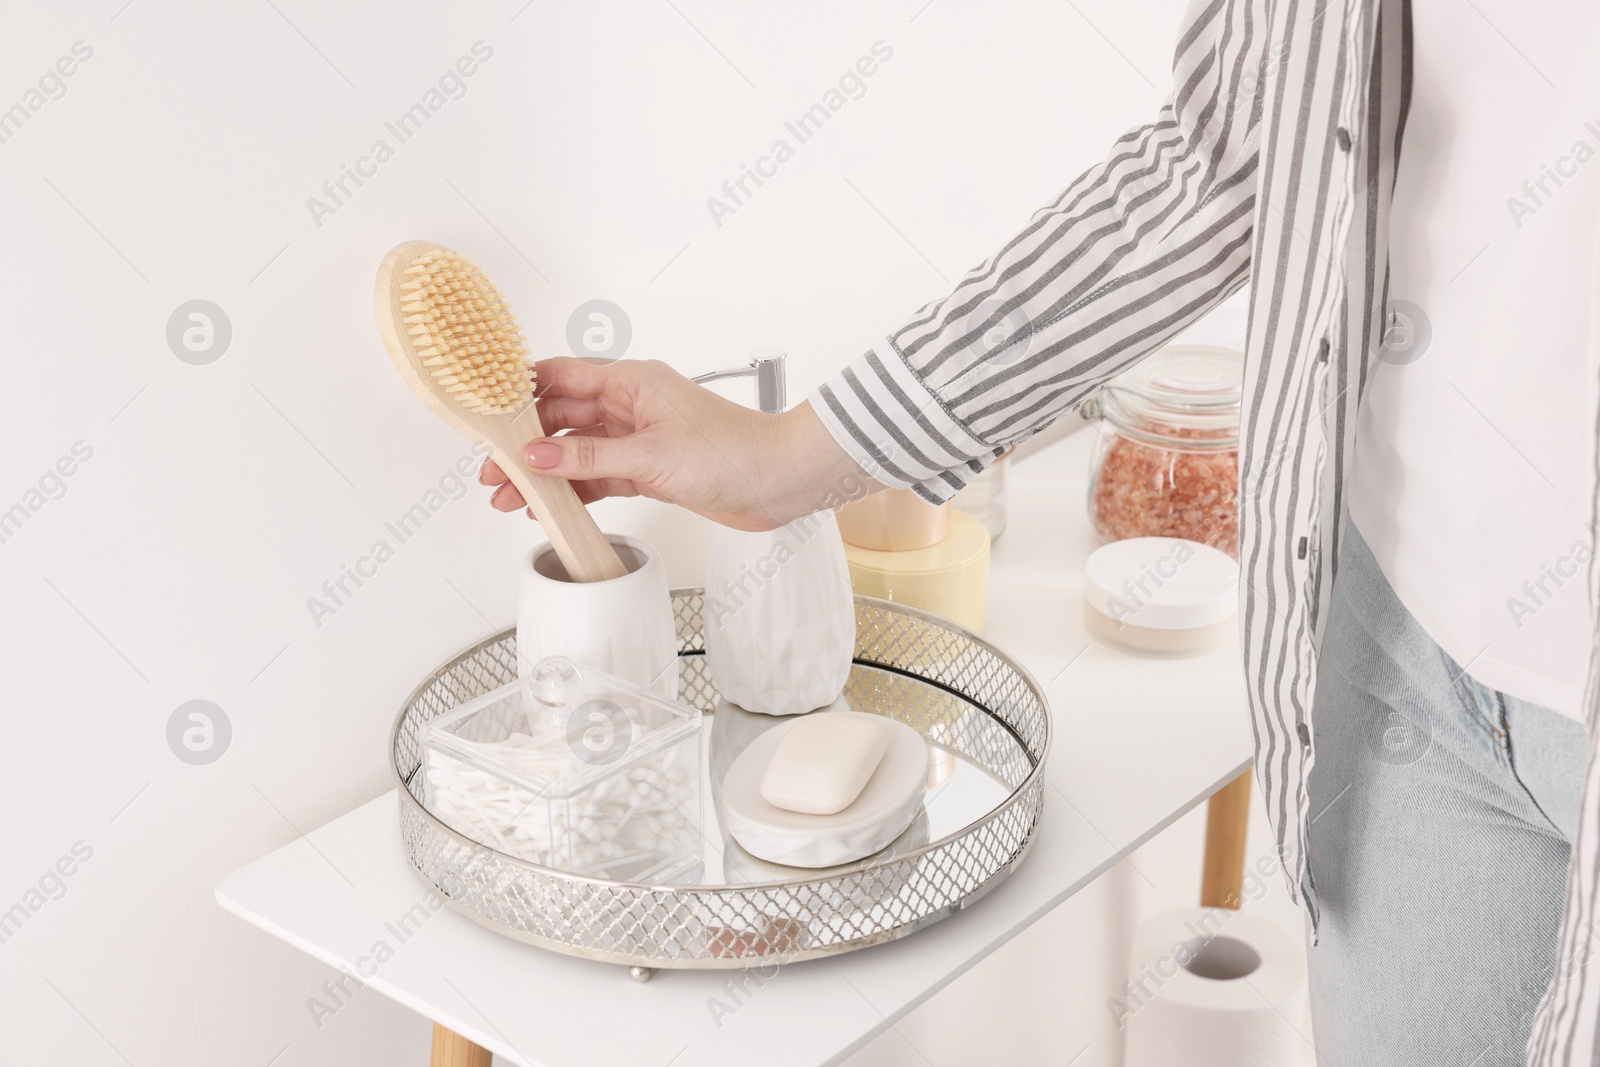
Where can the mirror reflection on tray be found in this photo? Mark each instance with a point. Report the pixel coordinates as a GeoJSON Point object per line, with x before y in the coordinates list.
{"type": "Point", "coordinates": [650, 871]}
{"type": "Point", "coordinates": [577, 771]}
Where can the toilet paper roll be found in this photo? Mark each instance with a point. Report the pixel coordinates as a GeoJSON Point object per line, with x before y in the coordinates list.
{"type": "Point", "coordinates": [1213, 988]}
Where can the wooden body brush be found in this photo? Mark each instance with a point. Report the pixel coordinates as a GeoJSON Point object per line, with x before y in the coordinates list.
{"type": "Point", "coordinates": [453, 339]}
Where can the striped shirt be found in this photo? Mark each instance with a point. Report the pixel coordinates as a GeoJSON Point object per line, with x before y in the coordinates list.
{"type": "Point", "coordinates": [1273, 162]}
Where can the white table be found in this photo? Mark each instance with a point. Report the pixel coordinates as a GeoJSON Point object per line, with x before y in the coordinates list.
{"type": "Point", "coordinates": [1137, 743]}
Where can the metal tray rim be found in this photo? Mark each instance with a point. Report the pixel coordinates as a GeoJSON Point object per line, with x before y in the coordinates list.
{"type": "Point", "coordinates": [1031, 782]}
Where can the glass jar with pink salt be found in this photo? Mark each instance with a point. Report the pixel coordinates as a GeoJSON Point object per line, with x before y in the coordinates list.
{"type": "Point", "coordinates": [1167, 461]}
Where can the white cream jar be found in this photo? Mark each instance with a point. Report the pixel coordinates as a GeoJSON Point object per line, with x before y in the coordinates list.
{"type": "Point", "coordinates": [1160, 596]}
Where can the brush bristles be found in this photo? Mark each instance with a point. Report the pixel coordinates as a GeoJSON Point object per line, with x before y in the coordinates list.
{"type": "Point", "coordinates": [465, 334]}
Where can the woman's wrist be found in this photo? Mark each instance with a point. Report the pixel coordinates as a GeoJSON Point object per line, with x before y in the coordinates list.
{"type": "Point", "coordinates": [811, 471]}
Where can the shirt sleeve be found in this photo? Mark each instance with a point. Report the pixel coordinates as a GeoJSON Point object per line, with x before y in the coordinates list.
{"type": "Point", "coordinates": [1137, 248]}
{"type": "Point", "coordinates": [1566, 1028]}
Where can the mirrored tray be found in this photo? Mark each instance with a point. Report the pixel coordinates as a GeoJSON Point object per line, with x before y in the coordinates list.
{"type": "Point", "coordinates": [988, 729]}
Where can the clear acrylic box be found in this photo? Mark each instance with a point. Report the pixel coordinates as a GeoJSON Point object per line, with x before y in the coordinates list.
{"type": "Point", "coordinates": [572, 769]}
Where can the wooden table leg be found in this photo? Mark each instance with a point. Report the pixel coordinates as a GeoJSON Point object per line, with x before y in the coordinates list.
{"type": "Point", "coordinates": [1227, 820]}
{"type": "Point", "coordinates": [450, 1049]}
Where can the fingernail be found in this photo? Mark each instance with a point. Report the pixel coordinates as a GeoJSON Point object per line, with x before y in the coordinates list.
{"type": "Point", "coordinates": [542, 454]}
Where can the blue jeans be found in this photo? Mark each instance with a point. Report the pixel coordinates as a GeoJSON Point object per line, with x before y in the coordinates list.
{"type": "Point", "coordinates": [1442, 818]}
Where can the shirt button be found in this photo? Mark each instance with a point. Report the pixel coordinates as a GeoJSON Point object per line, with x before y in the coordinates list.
{"type": "Point", "coordinates": [1304, 733]}
{"type": "Point", "coordinates": [1342, 136]}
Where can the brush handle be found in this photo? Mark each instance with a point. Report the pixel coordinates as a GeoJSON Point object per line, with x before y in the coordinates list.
{"type": "Point", "coordinates": [578, 542]}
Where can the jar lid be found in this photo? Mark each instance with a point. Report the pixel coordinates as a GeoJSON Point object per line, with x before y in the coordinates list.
{"type": "Point", "coordinates": [968, 541]}
{"type": "Point", "coordinates": [1161, 583]}
{"type": "Point", "coordinates": [1184, 387]}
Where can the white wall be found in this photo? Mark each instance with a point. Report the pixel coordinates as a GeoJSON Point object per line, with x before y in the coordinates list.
{"type": "Point", "coordinates": [175, 563]}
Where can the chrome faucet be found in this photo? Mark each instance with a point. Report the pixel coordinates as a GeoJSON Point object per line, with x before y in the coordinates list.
{"type": "Point", "coordinates": [767, 367]}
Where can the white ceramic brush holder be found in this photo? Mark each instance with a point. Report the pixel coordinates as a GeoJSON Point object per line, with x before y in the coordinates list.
{"type": "Point", "coordinates": [620, 626]}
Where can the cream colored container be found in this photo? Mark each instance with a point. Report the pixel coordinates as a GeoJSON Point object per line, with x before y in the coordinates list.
{"type": "Point", "coordinates": [1160, 596]}
{"type": "Point", "coordinates": [950, 578]}
{"type": "Point", "coordinates": [894, 520]}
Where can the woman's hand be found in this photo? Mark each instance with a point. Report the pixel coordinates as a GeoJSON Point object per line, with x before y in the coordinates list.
{"type": "Point", "coordinates": [636, 428]}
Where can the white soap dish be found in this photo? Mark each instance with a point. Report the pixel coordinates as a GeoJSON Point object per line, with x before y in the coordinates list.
{"type": "Point", "coordinates": [887, 804]}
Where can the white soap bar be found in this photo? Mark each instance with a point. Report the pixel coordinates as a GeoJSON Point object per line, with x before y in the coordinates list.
{"type": "Point", "coordinates": [823, 763]}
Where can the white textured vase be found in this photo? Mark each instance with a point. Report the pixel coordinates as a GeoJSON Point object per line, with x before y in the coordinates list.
{"type": "Point", "coordinates": [780, 622]}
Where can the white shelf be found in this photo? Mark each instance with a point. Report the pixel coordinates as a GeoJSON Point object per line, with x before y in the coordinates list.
{"type": "Point", "coordinates": [1137, 743]}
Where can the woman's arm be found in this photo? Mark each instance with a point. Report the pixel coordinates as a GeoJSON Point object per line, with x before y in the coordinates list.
{"type": "Point", "coordinates": [1134, 250]}
{"type": "Point", "coordinates": [639, 428]}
